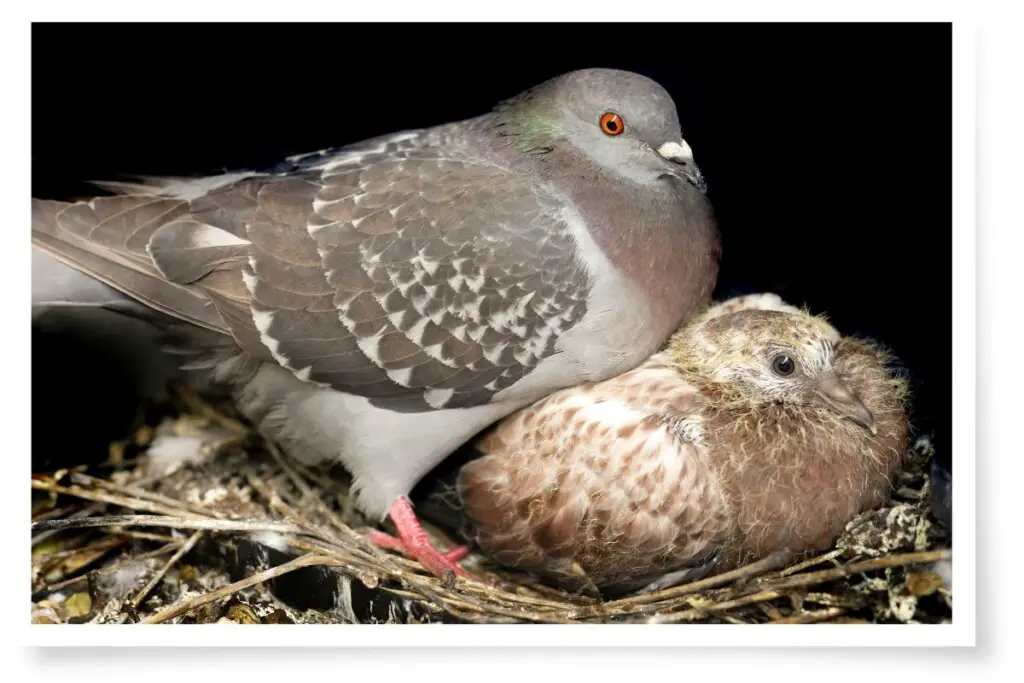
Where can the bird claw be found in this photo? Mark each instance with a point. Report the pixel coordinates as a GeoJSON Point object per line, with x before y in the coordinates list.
{"type": "Point", "coordinates": [389, 542]}
{"type": "Point", "coordinates": [414, 543]}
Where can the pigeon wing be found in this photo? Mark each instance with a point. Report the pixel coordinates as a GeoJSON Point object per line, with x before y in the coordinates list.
{"type": "Point", "coordinates": [417, 281]}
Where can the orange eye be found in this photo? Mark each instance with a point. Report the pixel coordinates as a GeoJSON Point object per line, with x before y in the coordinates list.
{"type": "Point", "coordinates": [612, 124]}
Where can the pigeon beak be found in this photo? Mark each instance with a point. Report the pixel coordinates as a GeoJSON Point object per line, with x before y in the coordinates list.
{"type": "Point", "coordinates": [844, 399]}
{"type": "Point", "coordinates": [680, 153]}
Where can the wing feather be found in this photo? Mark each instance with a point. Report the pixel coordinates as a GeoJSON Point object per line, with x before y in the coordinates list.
{"type": "Point", "coordinates": [387, 271]}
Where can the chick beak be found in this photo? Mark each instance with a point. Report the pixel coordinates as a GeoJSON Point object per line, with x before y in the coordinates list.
{"type": "Point", "coordinates": [679, 153]}
{"type": "Point", "coordinates": [844, 399]}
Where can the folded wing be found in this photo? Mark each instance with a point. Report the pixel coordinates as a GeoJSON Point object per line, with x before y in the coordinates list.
{"type": "Point", "coordinates": [416, 281]}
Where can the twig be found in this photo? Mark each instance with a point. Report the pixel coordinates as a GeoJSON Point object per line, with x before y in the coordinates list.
{"type": "Point", "coordinates": [279, 505]}
{"type": "Point", "coordinates": [761, 596]}
{"type": "Point", "coordinates": [374, 561]}
{"type": "Point", "coordinates": [46, 590]}
{"type": "Point", "coordinates": [908, 493]}
{"type": "Point", "coordinates": [770, 611]}
{"type": "Point", "coordinates": [102, 544]}
{"type": "Point", "coordinates": [834, 600]}
{"type": "Point", "coordinates": [92, 552]}
{"type": "Point", "coordinates": [123, 501]}
{"type": "Point", "coordinates": [173, 545]}
{"type": "Point", "coordinates": [429, 587]}
{"type": "Point", "coordinates": [292, 502]}
{"type": "Point", "coordinates": [142, 536]}
{"type": "Point", "coordinates": [330, 541]}
{"type": "Point", "coordinates": [362, 545]}
{"type": "Point", "coordinates": [84, 512]}
{"type": "Point", "coordinates": [883, 562]}
{"type": "Point", "coordinates": [172, 522]}
{"type": "Point", "coordinates": [143, 494]}
{"type": "Point", "coordinates": [800, 566]}
{"type": "Point", "coordinates": [764, 565]}
{"type": "Point", "coordinates": [186, 606]}
{"type": "Point", "coordinates": [811, 617]}
{"type": "Point", "coordinates": [701, 609]}
{"type": "Point", "coordinates": [568, 599]}
{"type": "Point", "coordinates": [59, 585]}
{"type": "Point", "coordinates": [54, 512]}
{"type": "Point", "coordinates": [185, 548]}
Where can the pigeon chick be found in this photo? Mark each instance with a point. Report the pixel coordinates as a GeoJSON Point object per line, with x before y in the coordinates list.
{"type": "Point", "coordinates": [754, 432]}
{"type": "Point", "coordinates": [381, 303]}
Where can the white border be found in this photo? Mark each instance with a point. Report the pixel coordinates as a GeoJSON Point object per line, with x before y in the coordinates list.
{"type": "Point", "coordinates": [961, 632]}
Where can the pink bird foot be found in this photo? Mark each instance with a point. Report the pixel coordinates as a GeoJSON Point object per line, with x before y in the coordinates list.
{"type": "Point", "coordinates": [414, 543]}
{"type": "Point", "coordinates": [389, 542]}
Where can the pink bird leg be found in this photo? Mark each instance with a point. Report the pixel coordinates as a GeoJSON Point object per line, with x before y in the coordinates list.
{"type": "Point", "coordinates": [414, 542]}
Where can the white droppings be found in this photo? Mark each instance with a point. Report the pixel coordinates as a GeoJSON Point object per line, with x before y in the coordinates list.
{"type": "Point", "coordinates": [213, 496]}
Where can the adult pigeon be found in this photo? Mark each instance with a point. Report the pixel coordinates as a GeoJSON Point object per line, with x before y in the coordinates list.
{"type": "Point", "coordinates": [757, 430]}
{"type": "Point", "coordinates": [381, 303]}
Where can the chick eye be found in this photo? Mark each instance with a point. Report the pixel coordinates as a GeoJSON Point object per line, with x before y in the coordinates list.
{"type": "Point", "coordinates": [783, 365]}
{"type": "Point", "coordinates": [611, 123]}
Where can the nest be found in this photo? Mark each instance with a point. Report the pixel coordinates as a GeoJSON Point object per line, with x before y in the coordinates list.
{"type": "Point", "coordinates": [196, 519]}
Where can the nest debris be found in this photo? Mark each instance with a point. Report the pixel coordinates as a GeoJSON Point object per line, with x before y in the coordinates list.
{"type": "Point", "coordinates": [196, 519]}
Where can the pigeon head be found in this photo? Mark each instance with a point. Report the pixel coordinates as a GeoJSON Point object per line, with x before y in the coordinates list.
{"type": "Point", "coordinates": [787, 357]}
{"type": "Point", "coordinates": [623, 122]}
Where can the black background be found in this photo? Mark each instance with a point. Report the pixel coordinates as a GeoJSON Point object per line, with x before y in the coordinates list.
{"type": "Point", "coordinates": [827, 147]}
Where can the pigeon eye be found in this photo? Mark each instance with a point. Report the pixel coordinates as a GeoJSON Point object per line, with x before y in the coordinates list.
{"type": "Point", "coordinates": [783, 365]}
{"type": "Point", "coordinates": [612, 124]}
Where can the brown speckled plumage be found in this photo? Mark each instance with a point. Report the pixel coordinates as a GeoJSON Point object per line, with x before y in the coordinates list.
{"type": "Point", "coordinates": [695, 462]}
